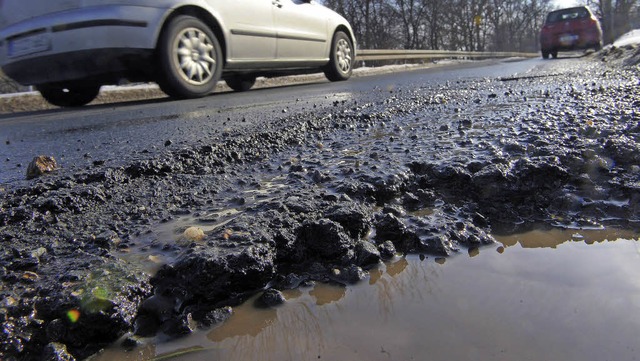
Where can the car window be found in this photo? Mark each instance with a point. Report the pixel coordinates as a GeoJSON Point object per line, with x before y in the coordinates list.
{"type": "Point", "coordinates": [567, 14]}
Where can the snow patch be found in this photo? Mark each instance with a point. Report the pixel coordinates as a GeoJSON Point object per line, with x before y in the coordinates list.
{"type": "Point", "coordinates": [630, 38]}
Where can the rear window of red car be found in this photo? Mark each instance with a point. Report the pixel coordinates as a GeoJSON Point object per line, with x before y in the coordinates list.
{"type": "Point", "coordinates": [567, 15]}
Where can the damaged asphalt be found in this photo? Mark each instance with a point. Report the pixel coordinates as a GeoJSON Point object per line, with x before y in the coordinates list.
{"type": "Point", "coordinates": [320, 195]}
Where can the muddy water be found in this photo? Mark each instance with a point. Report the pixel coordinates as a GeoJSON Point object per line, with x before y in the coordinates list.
{"type": "Point", "coordinates": [543, 295]}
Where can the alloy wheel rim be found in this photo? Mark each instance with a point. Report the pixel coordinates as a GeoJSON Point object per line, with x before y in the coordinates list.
{"type": "Point", "coordinates": [194, 56]}
{"type": "Point", "coordinates": [343, 54]}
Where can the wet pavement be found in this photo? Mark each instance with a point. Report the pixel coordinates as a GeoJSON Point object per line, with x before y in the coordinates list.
{"type": "Point", "coordinates": [320, 195]}
{"type": "Point", "coordinates": [117, 134]}
{"type": "Point", "coordinates": [541, 295]}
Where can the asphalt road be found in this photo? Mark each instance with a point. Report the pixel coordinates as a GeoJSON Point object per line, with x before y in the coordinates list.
{"type": "Point", "coordinates": [114, 134]}
{"type": "Point", "coordinates": [302, 183]}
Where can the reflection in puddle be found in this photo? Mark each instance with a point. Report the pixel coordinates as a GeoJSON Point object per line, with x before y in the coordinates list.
{"type": "Point", "coordinates": [325, 294]}
{"type": "Point", "coordinates": [251, 323]}
{"type": "Point", "coordinates": [537, 297]}
{"type": "Point", "coordinates": [554, 237]}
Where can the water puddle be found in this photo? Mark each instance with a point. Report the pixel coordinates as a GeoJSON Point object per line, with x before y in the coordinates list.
{"type": "Point", "coordinates": [542, 295]}
{"type": "Point", "coordinates": [160, 247]}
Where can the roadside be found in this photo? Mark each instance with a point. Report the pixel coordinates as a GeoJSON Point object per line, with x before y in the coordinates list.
{"type": "Point", "coordinates": [32, 101]}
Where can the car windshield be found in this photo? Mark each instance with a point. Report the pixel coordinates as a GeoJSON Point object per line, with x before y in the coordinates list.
{"type": "Point", "coordinates": [567, 14]}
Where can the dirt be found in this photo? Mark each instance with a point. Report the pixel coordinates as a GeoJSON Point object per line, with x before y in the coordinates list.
{"type": "Point", "coordinates": [318, 196]}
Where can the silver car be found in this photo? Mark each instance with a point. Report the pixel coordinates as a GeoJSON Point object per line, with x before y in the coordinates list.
{"type": "Point", "coordinates": [68, 49]}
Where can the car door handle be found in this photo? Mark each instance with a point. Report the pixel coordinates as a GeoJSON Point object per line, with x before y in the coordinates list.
{"type": "Point", "coordinates": [277, 3]}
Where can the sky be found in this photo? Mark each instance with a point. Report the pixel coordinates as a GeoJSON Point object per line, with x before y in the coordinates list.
{"type": "Point", "coordinates": [565, 3]}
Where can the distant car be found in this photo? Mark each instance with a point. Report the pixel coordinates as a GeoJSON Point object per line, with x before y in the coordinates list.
{"type": "Point", "coordinates": [68, 49]}
{"type": "Point", "coordinates": [570, 29]}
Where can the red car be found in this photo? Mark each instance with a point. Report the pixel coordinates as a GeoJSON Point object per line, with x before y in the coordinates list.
{"type": "Point", "coordinates": [570, 29]}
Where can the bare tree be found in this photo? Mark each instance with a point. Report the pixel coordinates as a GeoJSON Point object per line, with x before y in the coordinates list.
{"type": "Point", "coordinates": [478, 25]}
{"type": "Point", "coordinates": [469, 21]}
{"type": "Point", "coordinates": [411, 14]}
{"type": "Point", "coordinates": [616, 16]}
{"type": "Point", "coordinates": [516, 23]}
{"type": "Point", "coordinates": [371, 21]}
{"type": "Point", "coordinates": [434, 14]}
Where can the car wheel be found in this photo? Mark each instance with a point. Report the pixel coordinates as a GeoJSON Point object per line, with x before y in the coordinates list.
{"type": "Point", "coordinates": [545, 54]}
{"type": "Point", "coordinates": [68, 95]}
{"type": "Point", "coordinates": [598, 47]}
{"type": "Point", "coordinates": [554, 54]}
{"type": "Point", "coordinates": [190, 58]}
{"type": "Point", "coordinates": [241, 83]}
{"type": "Point", "coordinates": [341, 58]}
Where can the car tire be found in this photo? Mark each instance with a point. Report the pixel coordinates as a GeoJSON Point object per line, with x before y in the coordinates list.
{"type": "Point", "coordinates": [554, 54]}
{"type": "Point", "coordinates": [545, 54]}
{"type": "Point", "coordinates": [190, 58]}
{"type": "Point", "coordinates": [341, 58]}
{"type": "Point", "coordinates": [68, 95]}
{"type": "Point", "coordinates": [241, 83]}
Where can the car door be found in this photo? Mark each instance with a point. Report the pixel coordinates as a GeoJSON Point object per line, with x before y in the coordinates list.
{"type": "Point", "coordinates": [301, 28]}
{"type": "Point", "coordinates": [251, 31]}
